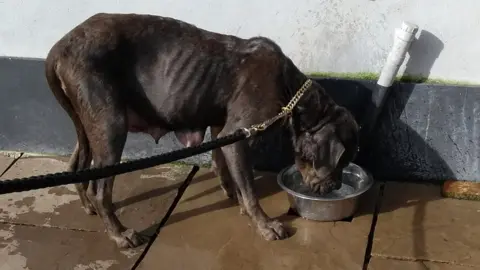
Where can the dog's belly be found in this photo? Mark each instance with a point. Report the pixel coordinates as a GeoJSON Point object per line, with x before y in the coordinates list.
{"type": "Point", "coordinates": [188, 138]}
{"type": "Point", "coordinates": [136, 124]}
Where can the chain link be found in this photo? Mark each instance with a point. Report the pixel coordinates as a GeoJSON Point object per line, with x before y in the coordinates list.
{"type": "Point", "coordinates": [286, 111]}
{"type": "Point", "coordinates": [289, 107]}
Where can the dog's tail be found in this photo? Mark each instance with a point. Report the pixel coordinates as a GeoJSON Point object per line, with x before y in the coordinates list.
{"type": "Point", "coordinates": [55, 84]}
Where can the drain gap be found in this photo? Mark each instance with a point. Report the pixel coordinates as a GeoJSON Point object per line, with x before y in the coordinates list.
{"type": "Point", "coordinates": [46, 226]}
{"type": "Point", "coordinates": [165, 218]}
{"type": "Point", "coordinates": [371, 234]}
{"type": "Point", "coordinates": [11, 164]}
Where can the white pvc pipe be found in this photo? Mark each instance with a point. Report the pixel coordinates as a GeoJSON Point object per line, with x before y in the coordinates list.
{"type": "Point", "coordinates": [403, 38]}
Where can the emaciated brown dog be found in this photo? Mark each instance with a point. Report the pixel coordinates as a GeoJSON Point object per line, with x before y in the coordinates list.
{"type": "Point", "coordinates": [120, 73]}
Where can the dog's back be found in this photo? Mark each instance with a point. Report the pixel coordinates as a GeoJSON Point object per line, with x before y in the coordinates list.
{"type": "Point", "coordinates": [170, 69]}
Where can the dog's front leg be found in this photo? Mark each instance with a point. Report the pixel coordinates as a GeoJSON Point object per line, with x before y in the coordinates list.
{"type": "Point", "coordinates": [220, 168]}
{"type": "Point", "coordinates": [241, 171]}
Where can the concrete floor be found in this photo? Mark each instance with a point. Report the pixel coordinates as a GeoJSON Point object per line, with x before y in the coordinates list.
{"type": "Point", "coordinates": [46, 229]}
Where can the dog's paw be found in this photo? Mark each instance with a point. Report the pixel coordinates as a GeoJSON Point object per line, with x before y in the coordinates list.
{"type": "Point", "coordinates": [214, 169]}
{"type": "Point", "coordinates": [129, 239]}
{"type": "Point", "coordinates": [89, 209]}
{"type": "Point", "coordinates": [228, 190]}
{"type": "Point", "coordinates": [272, 230]}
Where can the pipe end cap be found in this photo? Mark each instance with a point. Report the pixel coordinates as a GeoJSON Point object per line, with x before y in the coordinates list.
{"type": "Point", "coordinates": [409, 27]}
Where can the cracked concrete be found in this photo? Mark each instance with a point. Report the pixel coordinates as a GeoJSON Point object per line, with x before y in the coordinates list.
{"type": "Point", "coordinates": [46, 229]}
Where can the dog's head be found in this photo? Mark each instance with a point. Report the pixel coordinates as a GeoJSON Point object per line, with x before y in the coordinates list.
{"type": "Point", "coordinates": [321, 155]}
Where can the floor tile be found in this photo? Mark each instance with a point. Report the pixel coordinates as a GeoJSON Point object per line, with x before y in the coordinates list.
{"type": "Point", "coordinates": [416, 222]}
{"type": "Point", "coordinates": [40, 248]}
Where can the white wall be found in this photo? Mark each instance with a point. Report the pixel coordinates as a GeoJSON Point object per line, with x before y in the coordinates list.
{"type": "Point", "coordinates": [319, 35]}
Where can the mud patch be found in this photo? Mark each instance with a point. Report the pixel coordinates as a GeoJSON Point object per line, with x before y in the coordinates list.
{"type": "Point", "coordinates": [27, 201]}
{"type": "Point", "coordinates": [6, 234]}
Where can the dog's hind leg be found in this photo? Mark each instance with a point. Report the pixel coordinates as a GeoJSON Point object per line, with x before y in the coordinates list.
{"type": "Point", "coordinates": [80, 160]}
{"type": "Point", "coordinates": [81, 156]}
{"type": "Point", "coordinates": [106, 127]}
{"type": "Point", "coordinates": [219, 166]}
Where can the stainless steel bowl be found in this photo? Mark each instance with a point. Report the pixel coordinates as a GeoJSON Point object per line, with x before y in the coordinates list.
{"type": "Point", "coordinates": [337, 205]}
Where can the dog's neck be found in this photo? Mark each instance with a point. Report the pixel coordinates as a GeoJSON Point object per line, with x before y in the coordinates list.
{"type": "Point", "coordinates": [313, 109]}
{"type": "Point", "coordinates": [312, 112]}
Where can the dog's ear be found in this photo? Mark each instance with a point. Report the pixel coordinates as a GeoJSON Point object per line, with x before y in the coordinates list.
{"type": "Point", "coordinates": [336, 149]}
{"type": "Point", "coordinates": [330, 146]}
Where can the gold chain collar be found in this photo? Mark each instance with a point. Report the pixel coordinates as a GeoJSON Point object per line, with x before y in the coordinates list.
{"type": "Point", "coordinates": [286, 111]}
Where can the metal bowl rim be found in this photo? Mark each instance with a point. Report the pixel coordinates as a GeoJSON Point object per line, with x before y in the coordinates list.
{"type": "Point", "coordinates": [303, 196]}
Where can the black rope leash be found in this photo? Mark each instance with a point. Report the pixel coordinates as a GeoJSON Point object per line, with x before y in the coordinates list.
{"type": "Point", "coordinates": [65, 178]}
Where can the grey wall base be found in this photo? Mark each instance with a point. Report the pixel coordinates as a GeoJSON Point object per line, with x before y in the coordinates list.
{"type": "Point", "coordinates": [427, 132]}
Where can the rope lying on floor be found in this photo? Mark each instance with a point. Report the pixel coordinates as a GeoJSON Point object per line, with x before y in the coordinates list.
{"type": "Point", "coordinates": [65, 178]}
